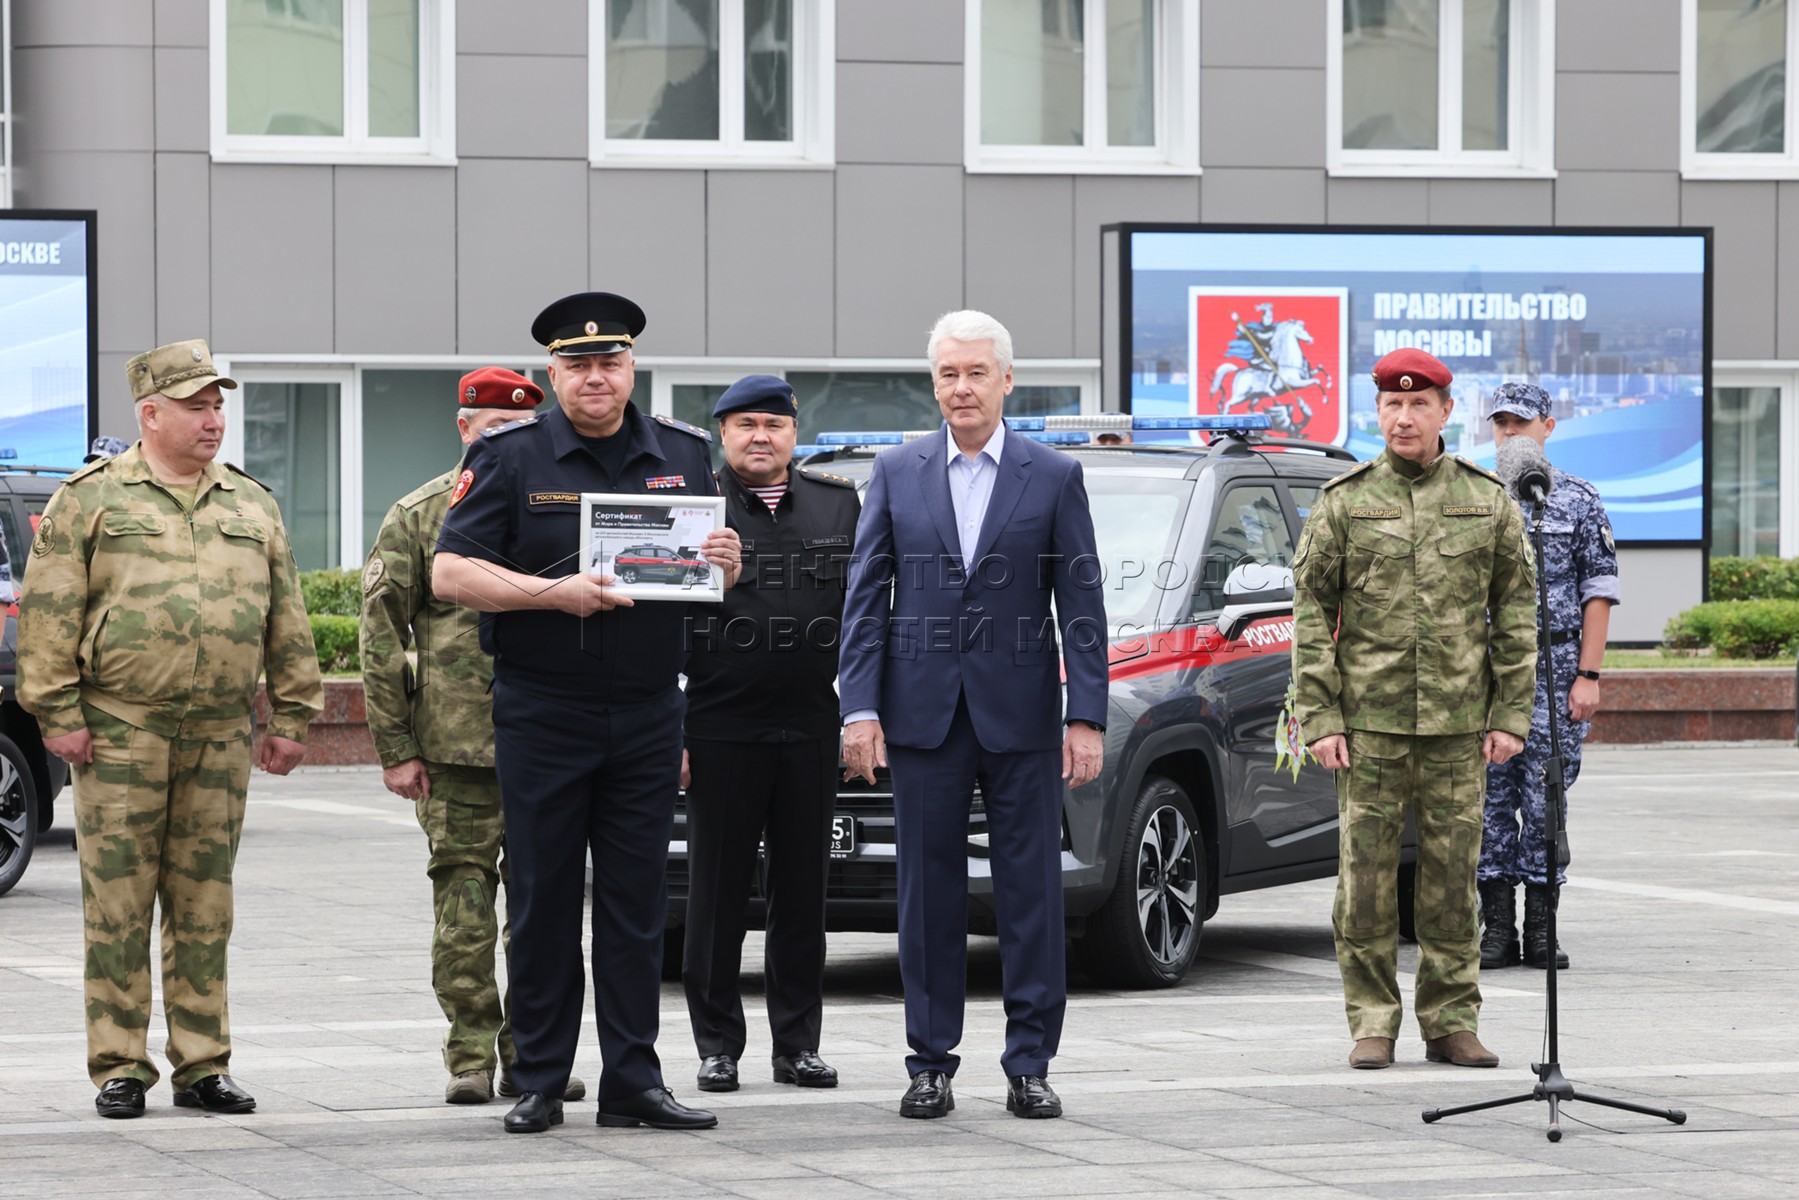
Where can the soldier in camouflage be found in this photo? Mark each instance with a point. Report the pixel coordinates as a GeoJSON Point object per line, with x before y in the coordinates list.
{"type": "Point", "coordinates": [1413, 650]}
{"type": "Point", "coordinates": [161, 586]}
{"type": "Point", "coordinates": [433, 731]}
{"type": "Point", "coordinates": [1580, 572]}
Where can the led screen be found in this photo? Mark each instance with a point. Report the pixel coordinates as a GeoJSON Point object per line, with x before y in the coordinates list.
{"type": "Point", "coordinates": [46, 338]}
{"type": "Point", "coordinates": [1290, 324]}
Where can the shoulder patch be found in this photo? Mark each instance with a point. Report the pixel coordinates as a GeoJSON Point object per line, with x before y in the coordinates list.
{"type": "Point", "coordinates": [813, 473]}
{"type": "Point", "coordinates": [509, 426]}
{"type": "Point", "coordinates": [237, 470]}
{"type": "Point", "coordinates": [1349, 474]}
{"type": "Point", "coordinates": [684, 427]}
{"type": "Point", "coordinates": [1478, 470]}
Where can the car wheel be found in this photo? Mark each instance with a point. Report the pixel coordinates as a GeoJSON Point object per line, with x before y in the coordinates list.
{"type": "Point", "coordinates": [628, 575]}
{"type": "Point", "coordinates": [1147, 932]}
{"type": "Point", "coordinates": [18, 814]}
{"type": "Point", "coordinates": [1408, 893]}
{"type": "Point", "coordinates": [674, 948]}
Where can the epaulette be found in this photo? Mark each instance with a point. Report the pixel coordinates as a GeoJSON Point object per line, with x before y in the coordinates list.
{"type": "Point", "coordinates": [1350, 474]}
{"type": "Point", "coordinates": [684, 427]}
{"type": "Point", "coordinates": [1478, 470]}
{"type": "Point", "coordinates": [99, 464]}
{"type": "Point", "coordinates": [819, 476]}
{"type": "Point", "coordinates": [497, 430]}
{"type": "Point", "coordinates": [237, 470]}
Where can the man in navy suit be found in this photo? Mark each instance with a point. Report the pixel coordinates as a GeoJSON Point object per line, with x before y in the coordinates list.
{"type": "Point", "coordinates": [950, 672]}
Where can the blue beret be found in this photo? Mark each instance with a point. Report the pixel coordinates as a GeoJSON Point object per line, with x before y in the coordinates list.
{"type": "Point", "coordinates": [1525, 400]}
{"type": "Point", "coordinates": [758, 393]}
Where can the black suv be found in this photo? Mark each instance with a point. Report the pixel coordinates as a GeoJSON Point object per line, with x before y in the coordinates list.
{"type": "Point", "coordinates": [1197, 545]}
{"type": "Point", "coordinates": [29, 777]}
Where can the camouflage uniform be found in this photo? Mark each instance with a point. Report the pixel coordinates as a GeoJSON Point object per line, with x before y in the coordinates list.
{"type": "Point", "coordinates": [1396, 573]}
{"type": "Point", "coordinates": [1580, 563]}
{"type": "Point", "coordinates": [147, 623]}
{"type": "Point", "coordinates": [441, 713]}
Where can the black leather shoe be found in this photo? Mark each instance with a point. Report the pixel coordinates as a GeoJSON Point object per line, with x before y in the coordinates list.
{"type": "Point", "coordinates": [216, 1093]}
{"type": "Point", "coordinates": [718, 1073]}
{"type": "Point", "coordinates": [805, 1069]}
{"type": "Point", "coordinates": [534, 1113]}
{"type": "Point", "coordinates": [929, 1096]}
{"type": "Point", "coordinates": [656, 1108]}
{"type": "Point", "coordinates": [121, 1099]}
{"type": "Point", "coordinates": [1030, 1096]}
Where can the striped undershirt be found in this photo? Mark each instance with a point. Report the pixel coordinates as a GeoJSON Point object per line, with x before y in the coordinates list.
{"type": "Point", "coordinates": [771, 496]}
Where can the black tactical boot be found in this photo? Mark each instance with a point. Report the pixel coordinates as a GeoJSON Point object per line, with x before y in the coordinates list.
{"type": "Point", "coordinates": [1499, 920]}
{"type": "Point", "coordinates": [1536, 929]}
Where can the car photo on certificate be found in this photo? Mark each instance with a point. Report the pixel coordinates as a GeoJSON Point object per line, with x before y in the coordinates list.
{"type": "Point", "coordinates": [650, 545]}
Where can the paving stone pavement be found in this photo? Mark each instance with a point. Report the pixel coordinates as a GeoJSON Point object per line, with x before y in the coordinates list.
{"type": "Point", "coordinates": [1679, 918]}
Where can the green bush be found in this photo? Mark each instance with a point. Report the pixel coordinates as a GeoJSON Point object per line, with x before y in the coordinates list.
{"type": "Point", "coordinates": [1693, 629]}
{"type": "Point", "coordinates": [335, 639]}
{"type": "Point", "coordinates": [332, 592]}
{"type": "Point", "coordinates": [1762, 578]}
{"type": "Point", "coordinates": [1738, 628]}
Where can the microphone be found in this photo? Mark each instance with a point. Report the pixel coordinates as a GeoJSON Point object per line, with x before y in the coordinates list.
{"type": "Point", "coordinates": [1521, 464]}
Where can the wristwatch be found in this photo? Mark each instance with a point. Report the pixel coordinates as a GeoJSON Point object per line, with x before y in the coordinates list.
{"type": "Point", "coordinates": [1593, 675]}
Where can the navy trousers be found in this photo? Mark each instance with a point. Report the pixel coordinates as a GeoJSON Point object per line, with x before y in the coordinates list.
{"type": "Point", "coordinates": [573, 782]}
{"type": "Point", "coordinates": [932, 791]}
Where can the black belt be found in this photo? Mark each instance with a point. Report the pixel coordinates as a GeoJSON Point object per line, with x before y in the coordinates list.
{"type": "Point", "coordinates": [1562, 637]}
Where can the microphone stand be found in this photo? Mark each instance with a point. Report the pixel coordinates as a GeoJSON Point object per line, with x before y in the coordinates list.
{"type": "Point", "coordinates": [1552, 1085]}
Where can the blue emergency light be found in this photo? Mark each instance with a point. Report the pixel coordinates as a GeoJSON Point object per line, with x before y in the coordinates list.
{"type": "Point", "coordinates": [1068, 430]}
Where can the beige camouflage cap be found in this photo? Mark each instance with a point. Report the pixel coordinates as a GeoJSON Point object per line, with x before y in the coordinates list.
{"type": "Point", "coordinates": [176, 370]}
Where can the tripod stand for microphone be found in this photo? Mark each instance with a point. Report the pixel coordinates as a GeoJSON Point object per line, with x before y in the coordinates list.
{"type": "Point", "coordinates": [1552, 1085]}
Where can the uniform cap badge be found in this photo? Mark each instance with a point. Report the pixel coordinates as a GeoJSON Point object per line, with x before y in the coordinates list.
{"type": "Point", "coordinates": [1405, 383]}
{"type": "Point", "coordinates": [592, 327]}
{"type": "Point", "coordinates": [518, 395]}
{"type": "Point", "coordinates": [470, 393]}
{"type": "Point", "coordinates": [197, 355]}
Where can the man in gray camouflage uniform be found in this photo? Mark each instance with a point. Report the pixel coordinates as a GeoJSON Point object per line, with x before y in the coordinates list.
{"type": "Point", "coordinates": [1580, 571]}
{"type": "Point", "coordinates": [432, 726]}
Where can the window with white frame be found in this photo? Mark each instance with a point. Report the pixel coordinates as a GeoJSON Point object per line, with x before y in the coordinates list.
{"type": "Point", "coordinates": [1753, 453]}
{"type": "Point", "coordinates": [1074, 86]}
{"type": "Point", "coordinates": [1737, 112]}
{"type": "Point", "coordinates": [703, 83]}
{"type": "Point", "coordinates": [1441, 87]}
{"type": "Point", "coordinates": [334, 81]}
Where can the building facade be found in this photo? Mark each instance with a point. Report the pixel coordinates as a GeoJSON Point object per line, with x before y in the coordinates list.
{"type": "Point", "coordinates": [357, 200]}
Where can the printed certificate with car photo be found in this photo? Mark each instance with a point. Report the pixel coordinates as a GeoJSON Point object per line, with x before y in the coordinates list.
{"type": "Point", "coordinates": [650, 545]}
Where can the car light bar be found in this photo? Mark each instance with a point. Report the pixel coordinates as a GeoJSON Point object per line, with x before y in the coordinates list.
{"type": "Point", "coordinates": [1056, 431]}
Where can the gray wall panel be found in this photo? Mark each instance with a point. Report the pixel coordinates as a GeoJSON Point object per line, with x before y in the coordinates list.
{"type": "Point", "coordinates": [1657, 585]}
{"type": "Point", "coordinates": [183, 247]}
{"type": "Point", "coordinates": [1617, 198]}
{"type": "Point", "coordinates": [118, 415]}
{"type": "Point", "coordinates": [83, 98]}
{"type": "Point", "coordinates": [1786, 273]}
{"type": "Point", "coordinates": [1492, 201]}
{"type": "Point", "coordinates": [1617, 122]}
{"type": "Point", "coordinates": [183, 121]}
{"type": "Point", "coordinates": [1019, 258]}
{"type": "Point", "coordinates": [899, 113]}
{"type": "Point", "coordinates": [415, 305]}
{"type": "Point", "coordinates": [770, 242]}
{"type": "Point", "coordinates": [1262, 33]}
{"type": "Point", "coordinates": [1378, 201]}
{"type": "Point", "coordinates": [885, 31]}
{"type": "Point", "coordinates": [647, 239]}
{"type": "Point", "coordinates": [182, 23]}
{"type": "Point", "coordinates": [1265, 195]}
{"type": "Point", "coordinates": [81, 23]}
{"type": "Point", "coordinates": [1283, 127]}
{"type": "Point", "coordinates": [121, 188]}
{"type": "Point", "coordinates": [511, 106]}
{"type": "Point", "coordinates": [521, 242]}
{"type": "Point", "coordinates": [1743, 218]}
{"type": "Point", "coordinates": [271, 259]}
{"type": "Point", "coordinates": [1101, 200]}
{"type": "Point", "coordinates": [899, 256]}
{"type": "Point", "coordinates": [1617, 35]}
{"type": "Point", "coordinates": [522, 27]}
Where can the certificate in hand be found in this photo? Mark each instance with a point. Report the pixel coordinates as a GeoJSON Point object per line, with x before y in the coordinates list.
{"type": "Point", "coordinates": [651, 544]}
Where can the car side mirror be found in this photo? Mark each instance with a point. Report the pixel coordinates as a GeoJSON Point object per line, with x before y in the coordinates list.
{"type": "Point", "coordinates": [1252, 591]}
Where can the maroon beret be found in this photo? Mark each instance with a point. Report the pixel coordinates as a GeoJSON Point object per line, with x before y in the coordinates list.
{"type": "Point", "coordinates": [1409, 370]}
{"type": "Point", "coordinates": [496, 387]}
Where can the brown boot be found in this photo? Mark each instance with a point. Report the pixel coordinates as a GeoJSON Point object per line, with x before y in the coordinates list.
{"type": "Point", "coordinates": [1461, 1048]}
{"type": "Point", "coordinates": [1371, 1053]}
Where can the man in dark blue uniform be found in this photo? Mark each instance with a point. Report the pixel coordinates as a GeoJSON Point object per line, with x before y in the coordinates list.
{"type": "Point", "coordinates": [587, 711]}
{"type": "Point", "coordinates": [762, 741]}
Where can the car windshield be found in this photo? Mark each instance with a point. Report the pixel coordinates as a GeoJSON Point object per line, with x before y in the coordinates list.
{"type": "Point", "coordinates": [1135, 522]}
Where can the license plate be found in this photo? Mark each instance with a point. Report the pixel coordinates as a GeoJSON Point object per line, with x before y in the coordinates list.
{"type": "Point", "coordinates": [843, 837]}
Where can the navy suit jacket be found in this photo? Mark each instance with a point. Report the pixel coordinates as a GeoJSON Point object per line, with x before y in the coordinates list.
{"type": "Point", "coordinates": [919, 626]}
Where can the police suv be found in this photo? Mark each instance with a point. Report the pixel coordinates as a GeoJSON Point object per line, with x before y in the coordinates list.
{"type": "Point", "coordinates": [1196, 800]}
